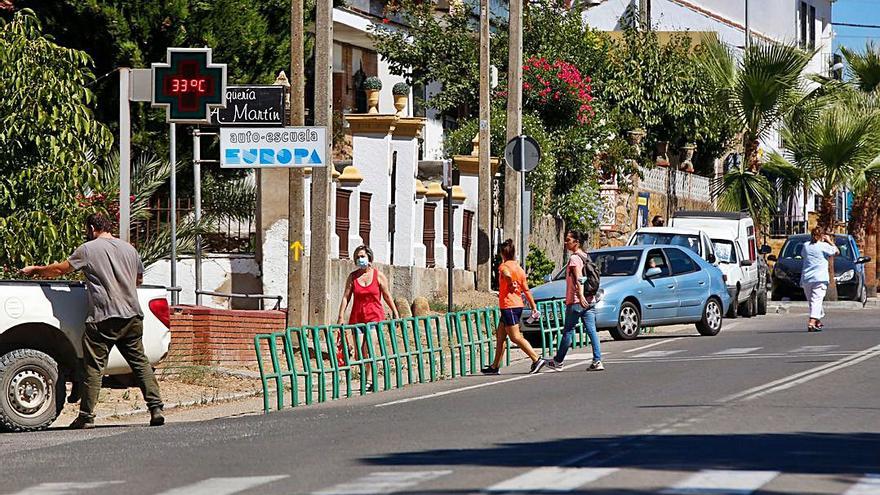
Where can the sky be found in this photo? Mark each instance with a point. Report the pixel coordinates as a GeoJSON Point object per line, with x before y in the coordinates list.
{"type": "Point", "coordinates": [859, 12]}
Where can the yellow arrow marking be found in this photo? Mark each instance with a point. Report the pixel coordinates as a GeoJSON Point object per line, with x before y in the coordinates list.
{"type": "Point", "coordinates": [297, 248]}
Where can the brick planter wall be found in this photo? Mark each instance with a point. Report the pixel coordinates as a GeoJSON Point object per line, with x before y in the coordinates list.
{"type": "Point", "coordinates": [202, 336]}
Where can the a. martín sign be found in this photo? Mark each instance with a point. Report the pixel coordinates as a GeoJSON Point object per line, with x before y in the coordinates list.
{"type": "Point", "coordinates": [279, 147]}
{"type": "Point", "coordinates": [251, 106]}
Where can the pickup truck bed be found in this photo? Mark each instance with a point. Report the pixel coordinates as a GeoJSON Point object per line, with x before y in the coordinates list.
{"type": "Point", "coordinates": [41, 329]}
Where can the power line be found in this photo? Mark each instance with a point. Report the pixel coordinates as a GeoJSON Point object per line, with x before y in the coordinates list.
{"type": "Point", "coordinates": [850, 24]}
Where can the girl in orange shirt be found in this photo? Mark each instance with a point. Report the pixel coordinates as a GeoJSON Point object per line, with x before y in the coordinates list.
{"type": "Point", "coordinates": [512, 286]}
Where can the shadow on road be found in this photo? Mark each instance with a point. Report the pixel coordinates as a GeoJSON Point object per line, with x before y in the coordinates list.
{"type": "Point", "coordinates": [805, 453]}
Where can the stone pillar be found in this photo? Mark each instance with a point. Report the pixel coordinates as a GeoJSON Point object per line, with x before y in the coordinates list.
{"type": "Point", "coordinates": [405, 142]}
{"type": "Point", "coordinates": [371, 154]}
{"type": "Point", "coordinates": [419, 250]}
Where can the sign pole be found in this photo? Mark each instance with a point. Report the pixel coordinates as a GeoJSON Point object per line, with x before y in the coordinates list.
{"type": "Point", "coordinates": [450, 249]}
{"type": "Point", "coordinates": [522, 201]}
{"type": "Point", "coordinates": [197, 194]}
{"type": "Point", "coordinates": [124, 155]}
{"type": "Point", "coordinates": [172, 134]}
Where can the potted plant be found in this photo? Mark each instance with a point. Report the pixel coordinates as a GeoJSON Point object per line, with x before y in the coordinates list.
{"type": "Point", "coordinates": [401, 97]}
{"type": "Point", "coordinates": [688, 164]}
{"type": "Point", "coordinates": [372, 85]}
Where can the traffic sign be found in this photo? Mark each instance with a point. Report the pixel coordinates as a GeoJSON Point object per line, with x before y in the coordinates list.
{"type": "Point", "coordinates": [522, 153]}
{"type": "Point", "coordinates": [189, 85]}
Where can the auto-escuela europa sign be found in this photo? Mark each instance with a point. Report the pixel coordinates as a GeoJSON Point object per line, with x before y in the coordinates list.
{"type": "Point", "coordinates": [251, 106]}
{"type": "Point", "coordinates": [278, 147]}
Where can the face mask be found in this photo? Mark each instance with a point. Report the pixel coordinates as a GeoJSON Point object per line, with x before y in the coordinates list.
{"type": "Point", "coordinates": [363, 262]}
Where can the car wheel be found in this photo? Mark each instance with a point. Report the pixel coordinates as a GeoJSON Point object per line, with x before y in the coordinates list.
{"type": "Point", "coordinates": [863, 295]}
{"type": "Point", "coordinates": [762, 302]}
{"type": "Point", "coordinates": [629, 322]}
{"type": "Point", "coordinates": [734, 305]}
{"type": "Point", "coordinates": [710, 324]}
{"type": "Point", "coordinates": [32, 395]}
{"type": "Point", "coordinates": [776, 295]}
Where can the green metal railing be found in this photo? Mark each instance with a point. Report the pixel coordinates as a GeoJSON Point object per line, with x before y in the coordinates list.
{"type": "Point", "coordinates": [328, 362]}
{"type": "Point", "coordinates": [551, 324]}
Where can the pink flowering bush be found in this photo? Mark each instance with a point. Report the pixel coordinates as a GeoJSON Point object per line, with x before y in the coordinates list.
{"type": "Point", "coordinates": [558, 92]}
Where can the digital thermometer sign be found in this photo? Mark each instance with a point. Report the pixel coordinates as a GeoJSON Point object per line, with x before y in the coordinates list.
{"type": "Point", "coordinates": [189, 85]}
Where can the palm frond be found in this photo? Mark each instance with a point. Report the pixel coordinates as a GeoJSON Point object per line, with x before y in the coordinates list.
{"type": "Point", "coordinates": [744, 190]}
{"type": "Point", "coordinates": [863, 68]}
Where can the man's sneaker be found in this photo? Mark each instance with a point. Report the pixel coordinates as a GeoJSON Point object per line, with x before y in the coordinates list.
{"type": "Point", "coordinates": [82, 423]}
{"type": "Point", "coordinates": [156, 417]}
{"type": "Point", "coordinates": [537, 365]}
{"type": "Point", "coordinates": [489, 370]}
{"type": "Point", "coordinates": [596, 366]}
{"type": "Point", "coordinates": [553, 365]}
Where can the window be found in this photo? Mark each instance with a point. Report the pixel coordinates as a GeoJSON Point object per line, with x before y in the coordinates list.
{"type": "Point", "coordinates": [656, 259]}
{"type": "Point", "coordinates": [343, 198]}
{"type": "Point", "coordinates": [802, 24]}
{"type": "Point", "coordinates": [724, 251]}
{"type": "Point", "coordinates": [691, 242]}
{"type": "Point", "coordinates": [681, 262]}
{"type": "Point", "coordinates": [364, 226]}
{"type": "Point", "coordinates": [812, 29]}
{"type": "Point", "coordinates": [429, 235]}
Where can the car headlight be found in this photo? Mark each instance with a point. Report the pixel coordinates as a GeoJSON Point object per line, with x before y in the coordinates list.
{"type": "Point", "coordinates": [845, 276]}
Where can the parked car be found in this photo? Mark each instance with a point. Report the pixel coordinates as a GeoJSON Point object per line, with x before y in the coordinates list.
{"type": "Point", "coordinates": [695, 240]}
{"type": "Point", "coordinates": [41, 331]}
{"type": "Point", "coordinates": [733, 237]}
{"type": "Point", "coordinates": [849, 269]}
{"type": "Point", "coordinates": [651, 285]}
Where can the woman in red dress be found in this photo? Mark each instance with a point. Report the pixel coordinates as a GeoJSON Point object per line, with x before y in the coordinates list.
{"type": "Point", "coordinates": [367, 286]}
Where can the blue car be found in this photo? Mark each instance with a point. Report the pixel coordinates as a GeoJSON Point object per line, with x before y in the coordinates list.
{"type": "Point", "coordinates": [650, 285]}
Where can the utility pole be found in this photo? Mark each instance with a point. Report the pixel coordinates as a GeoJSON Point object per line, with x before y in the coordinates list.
{"type": "Point", "coordinates": [512, 193]}
{"type": "Point", "coordinates": [295, 204]}
{"type": "Point", "coordinates": [484, 235]}
{"type": "Point", "coordinates": [319, 261]}
{"type": "Point", "coordinates": [748, 32]}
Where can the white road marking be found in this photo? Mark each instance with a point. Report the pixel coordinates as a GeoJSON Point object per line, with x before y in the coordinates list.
{"type": "Point", "coordinates": [382, 482]}
{"type": "Point", "coordinates": [804, 375]}
{"type": "Point", "coordinates": [223, 486]}
{"type": "Point", "coordinates": [551, 479]}
{"type": "Point", "coordinates": [666, 341]}
{"type": "Point", "coordinates": [868, 485]}
{"type": "Point", "coordinates": [815, 348]}
{"type": "Point", "coordinates": [657, 354]}
{"type": "Point", "coordinates": [68, 488]}
{"type": "Point", "coordinates": [470, 387]}
{"type": "Point", "coordinates": [722, 482]}
{"type": "Point", "coordinates": [736, 351]}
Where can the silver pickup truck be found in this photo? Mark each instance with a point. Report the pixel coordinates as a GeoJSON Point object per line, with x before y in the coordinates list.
{"type": "Point", "coordinates": [41, 329]}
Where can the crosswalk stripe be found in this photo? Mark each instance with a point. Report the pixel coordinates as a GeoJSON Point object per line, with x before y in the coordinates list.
{"type": "Point", "coordinates": [814, 348]}
{"type": "Point", "coordinates": [736, 351]}
{"type": "Point", "coordinates": [868, 485]}
{"type": "Point", "coordinates": [653, 354]}
{"type": "Point", "coordinates": [382, 482]}
{"type": "Point", "coordinates": [722, 482]}
{"type": "Point", "coordinates": [223, 486]}
{"type": "Point", "coordinates": [551, 479]}
{"type": "Point", "coordinates": [65, 488]}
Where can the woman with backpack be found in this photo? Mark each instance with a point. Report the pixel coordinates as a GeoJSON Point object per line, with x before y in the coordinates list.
{"type": "Point", "coordinates": [512, 287]}
{"type": "Point", "coordinates": [578, 305]}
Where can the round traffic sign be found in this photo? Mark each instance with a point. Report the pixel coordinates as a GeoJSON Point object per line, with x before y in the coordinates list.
{"type": "Point", "coordinates": [522, 153]}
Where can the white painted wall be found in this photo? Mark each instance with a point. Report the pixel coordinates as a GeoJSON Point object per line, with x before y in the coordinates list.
{"type": "Point", "coordinates": [407, 149]}
{"type": "Point", "coordinates": [217, 276]}
{"type": "Point", "coordinates": [371, 154]}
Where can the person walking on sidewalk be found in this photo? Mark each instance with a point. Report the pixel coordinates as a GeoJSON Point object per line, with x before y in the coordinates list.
{"type": "Point", "coordinates": [367, 286]}
{"type": "Point", "coordinates": [578, 305]}
{"type": "Point", "coordinates": [113, 270]}
{"type": "Point", "coordinates": [512, 286]}
{"type": "Point", "coordinates": [814, 276]}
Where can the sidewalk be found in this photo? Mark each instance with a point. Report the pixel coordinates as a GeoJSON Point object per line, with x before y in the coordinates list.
{"type": "Point", "coordinates": [788, 306]}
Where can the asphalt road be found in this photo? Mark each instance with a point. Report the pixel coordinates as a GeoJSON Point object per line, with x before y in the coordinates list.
{"type": "Point", "coordinates": [764, 407]}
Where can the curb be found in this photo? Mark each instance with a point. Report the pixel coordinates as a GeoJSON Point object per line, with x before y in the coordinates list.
{"type": "Point", "coordinates": [178, 405]}
{"type": "Point", "coordinates": [787, 306]}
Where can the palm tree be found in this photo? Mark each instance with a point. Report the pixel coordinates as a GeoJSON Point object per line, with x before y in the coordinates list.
{"type": "Point", "coordinates": [863, 69]}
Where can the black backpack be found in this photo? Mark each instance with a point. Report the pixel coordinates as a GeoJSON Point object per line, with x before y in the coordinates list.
{"type": "Point", "coordinates": [591, 272]}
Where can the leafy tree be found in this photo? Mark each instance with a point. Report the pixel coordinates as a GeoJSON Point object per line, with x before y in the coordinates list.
{"type": "Point", "coordinates": [48, 135]}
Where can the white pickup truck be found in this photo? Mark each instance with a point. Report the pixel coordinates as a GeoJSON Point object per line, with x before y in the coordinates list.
{"type": "Point", "coordinates": [41, 329]}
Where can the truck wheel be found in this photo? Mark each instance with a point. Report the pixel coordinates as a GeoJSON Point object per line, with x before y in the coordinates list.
{"type": "Point", "coordinates": [748, 308]}
{"type": "Point", "coordinates": [762, 302]}
{"type": "Point", "coordinates": [32, 395]}
{"type": "Point", "coordinates": [734, 305]}
{"type": "Point", "coordinates": [629, 323]}
{"type": "Point", "coordinates": [710, 324]}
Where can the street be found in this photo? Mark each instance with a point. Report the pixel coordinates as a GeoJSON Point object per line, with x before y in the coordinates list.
{"type": "Point", "coordinates": [764, 407]}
